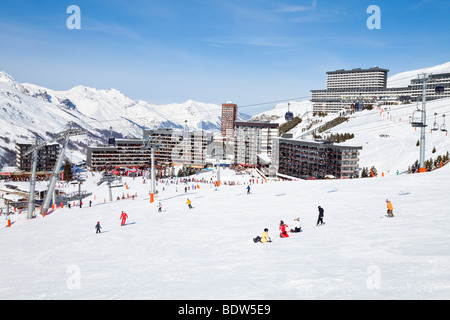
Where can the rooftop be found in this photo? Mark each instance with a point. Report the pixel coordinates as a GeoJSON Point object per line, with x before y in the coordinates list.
{"type": "Point", "coordinates": [358, 70]}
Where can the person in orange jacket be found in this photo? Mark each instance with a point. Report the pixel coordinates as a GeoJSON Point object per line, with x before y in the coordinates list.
{"type": "Point", "coordinates": [390, 209]}
{"type": "Point", "coordinates": [189, 203]}
{"type": "Point", "coordinates": [283, 232]}
{"type": "Point", "coordinates": [124, 217]}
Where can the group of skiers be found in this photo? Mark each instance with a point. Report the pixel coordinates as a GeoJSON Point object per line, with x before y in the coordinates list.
{"type": "Point", "coordinates": [123, 218]}
{"type": "Point", "coordinates": [297, 228]}
{"type": "Point", "coordinates": [284, 233]}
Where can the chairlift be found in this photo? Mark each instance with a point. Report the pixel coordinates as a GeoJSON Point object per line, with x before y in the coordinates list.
{"type": "Point", "coordinates": [443, 127]}
{"type": "Point", "coordinates": [435, 125]}
{"type": "Point", "coordinates": [416, 119]}
{"type": "Point", "coordinates": [289, 116]}
{"type": "Point", "coordinates": [439, 89]}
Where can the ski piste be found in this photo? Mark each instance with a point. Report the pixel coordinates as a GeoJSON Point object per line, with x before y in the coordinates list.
{"type": "Point", "coordinates": [180, 242]}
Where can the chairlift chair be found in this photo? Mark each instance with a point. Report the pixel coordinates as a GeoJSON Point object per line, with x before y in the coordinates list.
{"type": "Point", "coordinates": [443, 127]}
{"type": "Point", "coordinates": [416, 119]}
{"type": "Point", "coordinates": [435, 125]}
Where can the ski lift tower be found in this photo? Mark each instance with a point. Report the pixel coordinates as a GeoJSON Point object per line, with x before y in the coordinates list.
{"type": "Point", "coordinates": [151, 144]}
{"type": "Point", "coordinates": [31, 201]}
{"type": "Point", "coordinates": [423, 126]}
{"type": "Point", "coordinates": [109, 179]}
{"type": "Point", "coordinates": [71, 132]}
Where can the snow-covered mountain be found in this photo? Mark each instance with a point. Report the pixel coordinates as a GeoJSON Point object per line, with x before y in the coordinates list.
{"type": "Point", "coordinates": [28, 111]}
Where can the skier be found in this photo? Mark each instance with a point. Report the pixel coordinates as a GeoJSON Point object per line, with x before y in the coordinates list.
{"type": "Point", "coordinates": [160, 207]}
{"type": "Point", "coordinates": [98, 227]}
{"type": "Point", "coordinates": [90, 203]}
{"type": "Point", "coordinates": [320, 218]}
{"type": "Point", "coordinates": [297, 227]}
{"type": "Point", "coordinates": [283, 232]}
{"type": "Point", "coordinates": [81, 203]}
{"type": "Point", "coordinates": [248, 189]}
{"type": "Point", "coordinates": [123, 217]}
{"type": "Point", "coordinates": [188, 202]}
{"type": "Point", "coordinates": [390, 209]}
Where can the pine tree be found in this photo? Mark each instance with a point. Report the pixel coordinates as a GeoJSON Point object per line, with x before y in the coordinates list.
{"type": "Point", "coordinates": [67, 169]}
{"type": "Point", "coordinates": [364, 173]}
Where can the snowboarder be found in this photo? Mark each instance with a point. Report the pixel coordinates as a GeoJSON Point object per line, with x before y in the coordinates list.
{"type": "Point", "coordinates": [188, 202]}
{"type": "Point", "coordinates": [98, 227]}
{"type": "Point", "coordinates": [320, 218]}
{"type": "Point", "coordinates": [390, 209]}
{"type": "Point", "coordinates": [283, 232]}
{"type": "Point", "coordinates": [248, 189]}
{"type": "Point", "coordinates": [90, 203]}
{"type": "Point", "coordinates": [297, 227]}
{"type": "Point", "coordinates": [81, 204]}
{"type": "Point", "coordinates": [123, 217]}
{"type": "Point", "coordinates": [160, 207]}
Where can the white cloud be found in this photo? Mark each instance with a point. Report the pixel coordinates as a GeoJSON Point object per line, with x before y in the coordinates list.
{"type": "Point", "coordinates": [292, 9]}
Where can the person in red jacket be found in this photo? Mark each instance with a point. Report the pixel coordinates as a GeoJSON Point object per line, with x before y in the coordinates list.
{"type": "Point", "coordinates": [283, 232]}
{"type": "Point", "coordinates": [124, 217]}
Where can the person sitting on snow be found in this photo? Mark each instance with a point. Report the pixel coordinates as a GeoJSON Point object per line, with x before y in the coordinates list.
{"type": "Point", "coordinates": [283, 232]}
{"type": "Point", "coordinates": [390, 209]}
{"type": "Point", "coordinates": [297, 227]}
{"type": "Point", "coordinates": [264, 238]}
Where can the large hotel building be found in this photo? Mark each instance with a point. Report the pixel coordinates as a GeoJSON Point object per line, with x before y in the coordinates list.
{"type": "Point", "coordinates": [229, 117]}
{"type": "Point", "coordinates": [317, 160]}
{"type": "Point", "coordinates": [172, 147]}
{"type": "Point", "coordinates": [253, 139]}
{"type": "Point", "coordinates": [369, 86]}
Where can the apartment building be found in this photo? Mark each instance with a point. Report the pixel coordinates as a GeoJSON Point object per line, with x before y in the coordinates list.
{"type": "Point", "coordinates": [180, 147]}
{"type": "Point", "coordinates": [345, 88]}
{"type": "Point", "coordinates": [253, 138]}
{"type": "Point", "coordinates": [229, 117]}
{"type": "Point", "coordinates": [171, 147]}
{"type": "Point", "coordinates": [357, 78]}
{"type": "Point", "coordinates": [314, 160]}
{"type": "Point", "coordinates": [47, 157]}
{"type": "Point", "coordinates": [123, 153]}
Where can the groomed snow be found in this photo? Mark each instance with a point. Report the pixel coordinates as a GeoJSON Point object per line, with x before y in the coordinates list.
{"type": "Point", "coordinates": [208, 252]}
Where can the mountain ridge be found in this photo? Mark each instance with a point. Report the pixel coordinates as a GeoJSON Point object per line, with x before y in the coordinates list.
{"type": "Point", "coordinates": [29, 111]}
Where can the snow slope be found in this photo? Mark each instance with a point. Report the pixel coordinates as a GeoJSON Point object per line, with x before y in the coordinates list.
{"type": "Point", "coordinates": [403, 79]}
{"type": "Point", "coordinates": [277, 113]}
{"type": "Point", "coordinates": [207, 252]}
{"type": "Point", "coordinates": [389, 141]}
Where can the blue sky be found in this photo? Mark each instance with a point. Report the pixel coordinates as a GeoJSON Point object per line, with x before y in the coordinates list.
{"type": "Point", "coordinates": [247, 51]}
